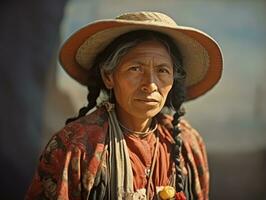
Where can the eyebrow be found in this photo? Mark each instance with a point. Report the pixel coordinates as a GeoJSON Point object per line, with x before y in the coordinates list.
{"type": "Point", "coordinates": [160, 65]}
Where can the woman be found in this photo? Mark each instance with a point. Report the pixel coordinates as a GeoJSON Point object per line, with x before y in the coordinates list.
{"type": "Point", "coordinates": [143, 66]}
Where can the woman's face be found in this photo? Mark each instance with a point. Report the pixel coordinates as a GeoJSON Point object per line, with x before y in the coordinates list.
{"type": "Point", "coordinates": [142, 81]}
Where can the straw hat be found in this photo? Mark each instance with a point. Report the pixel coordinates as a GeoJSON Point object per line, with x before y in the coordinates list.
{"type": "Point", "coordinates": [202, 57]}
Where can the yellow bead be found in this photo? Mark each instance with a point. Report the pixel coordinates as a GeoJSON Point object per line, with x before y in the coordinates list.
{"type": "Point", "coordinates": [167, 192]}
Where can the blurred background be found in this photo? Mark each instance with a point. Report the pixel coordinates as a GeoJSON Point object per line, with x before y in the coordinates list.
{"type": "Point", "coordinates": [36, 95]}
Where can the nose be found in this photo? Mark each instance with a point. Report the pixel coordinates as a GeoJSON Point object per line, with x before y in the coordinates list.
{"type": "Point", "coordinates": [149, 84]}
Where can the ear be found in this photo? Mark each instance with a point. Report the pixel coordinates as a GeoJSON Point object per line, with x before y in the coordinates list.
{"type": "Point", "coordinates": [107, 79]}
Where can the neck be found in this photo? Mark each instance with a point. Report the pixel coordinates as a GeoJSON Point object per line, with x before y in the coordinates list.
{"type": "Point", "coordinates": [133, 123]}
{"type": "Point", "coordinates": [141, 127]}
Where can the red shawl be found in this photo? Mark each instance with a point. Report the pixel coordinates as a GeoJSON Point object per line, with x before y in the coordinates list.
{"type": "Point", "coordinates": [69, 164]}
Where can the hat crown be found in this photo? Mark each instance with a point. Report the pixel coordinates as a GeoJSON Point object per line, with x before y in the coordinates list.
{"type": "Point", "coordinates": [148, 17]}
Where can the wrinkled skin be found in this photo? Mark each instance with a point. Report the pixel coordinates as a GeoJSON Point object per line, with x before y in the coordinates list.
{"type": "Point", "coordinates": [141, 83]}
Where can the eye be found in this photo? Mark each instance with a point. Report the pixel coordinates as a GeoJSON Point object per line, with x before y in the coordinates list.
{"type": "Point", "coordinates": [135, 68]}
{"type": "Point", "coordinates": [164, 69]}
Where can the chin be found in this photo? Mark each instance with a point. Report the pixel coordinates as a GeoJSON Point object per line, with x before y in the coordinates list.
{"type": "Point", "coordinates": [148, 113]}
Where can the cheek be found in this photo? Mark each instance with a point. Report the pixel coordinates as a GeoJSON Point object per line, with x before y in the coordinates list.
{"type": "Point", "coordinates": [165, 93]}
{"type": "Point", "coordinates": [166, 88]}
{"type": "Point", "coordinates": [126, 83]}
{"type": "Point", "coordinates": [123, 89]}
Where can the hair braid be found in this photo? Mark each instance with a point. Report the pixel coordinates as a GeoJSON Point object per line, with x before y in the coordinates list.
{"type": "Point", "coordinates": [177, 150]}
{"type": "Point", "coordinates": [178, 96]}
{"type": "Point", "coordinates": [92, 96]}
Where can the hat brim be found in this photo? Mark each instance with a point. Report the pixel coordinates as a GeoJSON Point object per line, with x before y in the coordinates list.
{"type": "Point", "coordinates": [202, 57]}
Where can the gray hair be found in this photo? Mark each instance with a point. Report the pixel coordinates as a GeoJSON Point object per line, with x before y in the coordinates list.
{"type": "Point", "coordinates": [114, 58]}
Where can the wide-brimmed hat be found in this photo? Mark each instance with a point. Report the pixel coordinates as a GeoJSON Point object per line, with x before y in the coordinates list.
{"type": "Point", "coordinates": [201, 55]}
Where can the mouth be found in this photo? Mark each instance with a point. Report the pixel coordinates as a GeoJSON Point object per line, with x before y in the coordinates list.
{"type": "Point", "coordinates": [148, 101]}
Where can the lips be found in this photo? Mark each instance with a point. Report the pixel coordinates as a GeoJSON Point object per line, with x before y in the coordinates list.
{"type": "Point", "coordinates": [148, 100]}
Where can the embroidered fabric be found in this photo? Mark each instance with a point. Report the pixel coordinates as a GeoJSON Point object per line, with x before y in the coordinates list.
{"type": "Point", "coordinates": [49, 178]}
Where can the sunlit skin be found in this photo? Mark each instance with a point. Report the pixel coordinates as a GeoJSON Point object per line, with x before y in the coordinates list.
{"type": "Point", "coordinates": [141, 83]}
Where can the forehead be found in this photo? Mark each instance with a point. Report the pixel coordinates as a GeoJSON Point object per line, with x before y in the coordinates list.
{"type": "Point", "coordinates": [148, 48]}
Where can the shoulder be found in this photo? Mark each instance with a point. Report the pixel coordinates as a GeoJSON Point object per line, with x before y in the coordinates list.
{"type": "Point", "coordinates": [195, 156]}
{"type": "Point", "coordinates": [73, 152]}
{"type": "Point", "coordinates": [188, 132]}
{"type": "Point", "coordinates": [194, 146]}
{"type": "Point", "coordinates": [88, 130]}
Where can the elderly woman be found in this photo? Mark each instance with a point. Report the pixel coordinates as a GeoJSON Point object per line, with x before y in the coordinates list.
{"type": "Point", "coordinates": [132, 142]}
